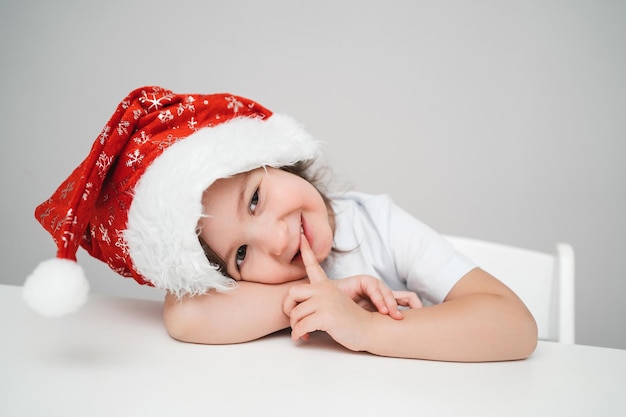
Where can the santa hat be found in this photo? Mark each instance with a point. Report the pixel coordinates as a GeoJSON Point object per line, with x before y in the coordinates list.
{"type": "Point", "coordinates": [136, 199]}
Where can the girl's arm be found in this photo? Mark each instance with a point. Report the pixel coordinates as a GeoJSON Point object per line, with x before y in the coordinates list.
{"type": "Point", "coordinates": [254, 310]}
{"type": "Point", "coordinates": [245, 313]}
{"type": "Point", "coordinates": [480, 320]}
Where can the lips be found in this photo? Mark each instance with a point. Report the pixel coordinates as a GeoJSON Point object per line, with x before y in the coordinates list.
{"type": "Point", "coordinates": [307, 235]}
{"type": "Point", "coordinates": [306, 231]}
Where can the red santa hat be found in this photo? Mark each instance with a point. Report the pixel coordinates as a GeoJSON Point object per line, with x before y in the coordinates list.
{"type": "Point", "coordinates": [135, 201]}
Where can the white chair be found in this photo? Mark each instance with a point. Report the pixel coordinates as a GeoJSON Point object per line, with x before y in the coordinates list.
{"type": "Point", "coordinates": [545, 282]}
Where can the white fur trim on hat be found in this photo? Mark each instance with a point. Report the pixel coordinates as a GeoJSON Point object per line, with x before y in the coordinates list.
{"type": "Point", "coordinates": [167, 203]}
{"type": "Point", "coordinates": [56, 287]}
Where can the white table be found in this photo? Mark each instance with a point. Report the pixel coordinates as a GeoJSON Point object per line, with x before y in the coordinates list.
{"type": "Point", "coordinates": [114, 358]}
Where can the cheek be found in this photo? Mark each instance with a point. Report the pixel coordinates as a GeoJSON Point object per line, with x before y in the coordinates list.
{"type": "Point", "coordinates": [323, 238]}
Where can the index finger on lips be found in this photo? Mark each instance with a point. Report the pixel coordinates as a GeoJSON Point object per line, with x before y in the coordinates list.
{"type": "Point", "coordinates": [313, 269]}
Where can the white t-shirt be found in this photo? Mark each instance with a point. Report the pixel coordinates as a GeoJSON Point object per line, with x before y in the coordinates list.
{"type": "Point", "coordinates": [376, 237]}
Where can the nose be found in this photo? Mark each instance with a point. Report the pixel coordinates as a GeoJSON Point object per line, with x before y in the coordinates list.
{"type": "Point", "coordinates": [273, 236]}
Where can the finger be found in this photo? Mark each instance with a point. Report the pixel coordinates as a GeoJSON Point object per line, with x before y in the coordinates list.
{"type": "Point", "coordinates": [296, 308]}
{"type": "Point", "coordinates": [377, 296]}
{"type": "Point", "coordinates": [289, 303]}
{"type": "Point", "coordinates": [394, 311]}
{"type": "Point", "coordinates": [296, 295]}
{"type": "Point", "coordinates": [299, 331]}
{"type": "Point", "coordinates": [303, 328]}
{"type": "Point", "coordinates": [407, 299]}
{"type": "Point", "coordinates": [300, 312]}
{"type": "Point", "coordinates": [313, 269]}
{"type": "Point", "coordinates": [382, 298]}
{"type": "Point", "coordinates": [391, 303]}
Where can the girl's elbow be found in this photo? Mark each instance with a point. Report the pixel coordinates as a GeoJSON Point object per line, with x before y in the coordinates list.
{"type": "Point", "coordinates": [177, 321]}
{"type": "Point", "coordinates": [526, 337]}
{"type": "Point", "coordinates": [187, 320]}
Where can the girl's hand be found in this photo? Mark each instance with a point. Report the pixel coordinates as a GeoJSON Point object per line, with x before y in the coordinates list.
{"type": "Point", "coordinates": [322, 305]}
{"type": "Point", "coordinates": [373, 295]}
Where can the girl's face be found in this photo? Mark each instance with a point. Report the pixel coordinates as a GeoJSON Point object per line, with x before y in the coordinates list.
{"type": "Point", "coordinates": [253, 222]}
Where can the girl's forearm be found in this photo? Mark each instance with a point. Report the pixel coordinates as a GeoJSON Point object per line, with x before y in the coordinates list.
{"type": "Point", "coordinates": [474, 328]}
{"type": "Point", "coordinates": [246, 313]}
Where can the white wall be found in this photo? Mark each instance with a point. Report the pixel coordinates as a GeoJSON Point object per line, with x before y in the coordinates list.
{"type": "Point", "coordinates": [493, 119]}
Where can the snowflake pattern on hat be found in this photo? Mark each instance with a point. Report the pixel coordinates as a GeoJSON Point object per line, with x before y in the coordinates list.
{"type": "Point", "coordinates": [134, 202]}
{"type": "Point", "coordinates": [90, 207]}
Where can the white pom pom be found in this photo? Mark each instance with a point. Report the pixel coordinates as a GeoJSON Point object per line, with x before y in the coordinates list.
{"type": "Point", "coordinates": [56, 287]}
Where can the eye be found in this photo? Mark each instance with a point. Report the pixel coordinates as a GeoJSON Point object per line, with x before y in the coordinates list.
{"type": "Point", "coordinates": [254, 201]}
{"type": "Point", "coordinates": [241, 255]}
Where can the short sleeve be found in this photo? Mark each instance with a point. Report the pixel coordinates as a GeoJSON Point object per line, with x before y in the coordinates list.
{"type": "Point", "coordinates": [427, 263]}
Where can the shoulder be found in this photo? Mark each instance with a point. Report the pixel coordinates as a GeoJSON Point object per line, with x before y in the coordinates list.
{"type": "Point", "coordinates": [360, 218]}
{"type": "Point", "coordinates": [375, 206]}
{"type": "Point", "coordinates": [376, 210]}
{"type": "Point", "coordinates": [361, 235]}
{"type": "Point", "coordinates": [358, 197]}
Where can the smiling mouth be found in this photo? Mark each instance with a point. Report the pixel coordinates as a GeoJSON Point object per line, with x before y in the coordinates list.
{"type": "Point", "coordinates": [305, 231]}
{"type": "Point", "coordinates": [298, 256]}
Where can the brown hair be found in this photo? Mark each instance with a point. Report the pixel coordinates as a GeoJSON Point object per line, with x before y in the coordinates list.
{"type": "Point", "coordinates": [302, 170]}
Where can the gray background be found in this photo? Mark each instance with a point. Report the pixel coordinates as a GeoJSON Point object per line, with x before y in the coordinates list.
{"type": "Point", "coordinates": [497, 120]}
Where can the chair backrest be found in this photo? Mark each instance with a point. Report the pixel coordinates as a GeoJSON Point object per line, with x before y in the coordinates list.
{"type": "Point", "coordinates": [544, 282]}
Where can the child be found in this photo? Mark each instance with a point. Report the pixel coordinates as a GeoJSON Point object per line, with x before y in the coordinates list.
{"type": "Point", "coordinates": [203, 196]}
